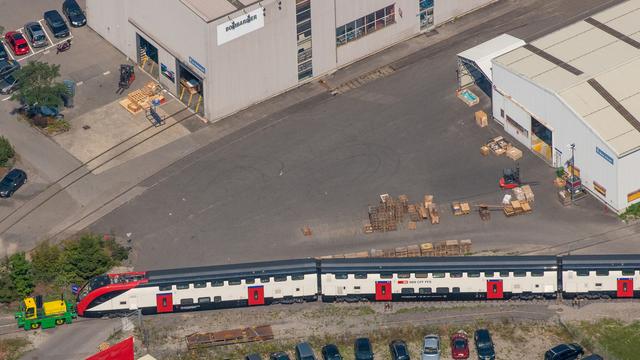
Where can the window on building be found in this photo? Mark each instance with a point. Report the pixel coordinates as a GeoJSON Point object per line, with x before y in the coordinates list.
{"type": "Point", "coordinates": [365, 25]}
{"type": "Point", "coordinates": [502, 113]}
{"type": "Point", "coordinates": [303, 25]}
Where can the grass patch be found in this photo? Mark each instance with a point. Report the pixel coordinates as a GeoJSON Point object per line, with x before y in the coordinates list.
{"type": "Point", "coordinates": [613, 336]}
{"type": "Point", "coordinates": [425, 309]}
{"type": "Point", "coordinates": [12, 349]}
{"type": "Point", "coordinates": [335, 311]}
{"type": "Point", "coordinates": [632, 212]}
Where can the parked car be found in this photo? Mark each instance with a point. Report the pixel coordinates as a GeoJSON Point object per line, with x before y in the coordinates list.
{"type": "Point", "coordinates": [3, 52]}
{"type": "Point", "coordinates": [279, 356]}
{"type": "Point", "coordinates": [431, 347]}
{"type": "Point", "coordinates": [8, 66]}
{"type": "Point", "coordinates": [74, 13]}
{"type": "Point", "coordinates": [399, 350]}
{"type": "Point", "coordinates": [564, 352]}
{"type": "Point", "coordinates": [36, 35]}
{"type": "Point", "coordinates": [305, 352]}
{"type": "Point", "coordinates": [17, 43]}
{"type": "Point", "coordinates": [253, 357]}
{"type": "Point", "coordinates": [460, 345]}
{"type": "Point", "coordinates": [331, 352]}
{"type": "Point", "coordinates": [8, 84]}
{"type": "Point", "coordinates": [362, 349]}
{"type": "Point", "coordinates": [593, 357]}
{"type": "Point", "coordinates": [56, 24]}
{"type": "Point", "coordinates": [484, 345]}
{"type": "Point", "coordinates": [12, 182]}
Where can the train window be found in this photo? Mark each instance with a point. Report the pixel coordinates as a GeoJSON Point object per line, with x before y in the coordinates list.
{"type": "Point", "coordinates": [204, 300]}
{"type": "Point", "coordinates": [217, 283]}
{"type": "Point", "coordinates": [265, 279]}
{"type": "Point", "coordinates": [404, 276]}
{"type": "Point", "coordinates": [473, 274]}
{"type": "Point", "coordinates": [182, 286]}
{"type": "Point", "coordinates": [165, 287]}
{"type": "Point", "coordinates": [342, 276]}
{"type": "Point", "coordinates": [123, 303]}
{"type": "Point", "coordinates": [297, 277]}
{"type": "Point", "coordinates": [424, 290]}
{"type": "Point", "coordinates": [356, 288]}
{"type": "Point", "coordinates": [421, 275]}
{"type": "Point", "coordinates": [519, 273]}
{"type": "Point", "coordinates": [186, 301]}
{"type": "Point", "coordinates": [489, 274]}
{"type": "Point", "coordinates": [456, 274]}
{"type": "Point", "coordinates": [455, 290]}
{"type": "Point", "coordinates": [234, 282]}
{"type": "Point", "coordinates": [280, 278]}
{"type": "Point", "coordinates": [504, 274]}
{"type": "Point", "coordinates": [407, 290]}
{"type": "Point", "coordinates": [250, 281]}
{"type": "Point", "coordinates": [442, 290]}
{"type": "Point", "coordinates": [602, 272]}
{"type": "Point", "coordinates": [386, 276]}
{"type": "Point", "coordinates": [217, 298]}
{"type": "Point", "coordinates": [360, 276]}
{"type": "Point", "coordinates": [598, 284]}
{"type": "Point", "coordinates": [628, 272]}
{"type": "Point", "coordinates": [438, 275]}
{"type": "Point", "coordinates": [582, 272]}
{"type": "Point", "coordinates": [537, 273]}
{"type": "Point", "coordinates": [199, 285]}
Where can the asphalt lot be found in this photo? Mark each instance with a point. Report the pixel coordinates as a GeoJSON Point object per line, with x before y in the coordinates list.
{"type": "Point", "coordinates": [321, 163]}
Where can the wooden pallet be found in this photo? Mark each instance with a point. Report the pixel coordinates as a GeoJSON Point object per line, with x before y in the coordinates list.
{"type": "Point", "coordinates": [131, 107]}
{"type": "Point", "coordinates": [137, 96]}
{"type": "Point", "coordinates": [433, 214]}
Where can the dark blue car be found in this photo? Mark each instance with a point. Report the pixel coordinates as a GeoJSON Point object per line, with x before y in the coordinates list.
{"type": "Point", "coordinates": [74, 13]}
{"type": "Point", "coordinates": [56, 24]}
{"type": "Point", "coordinates": [12, 182]}
{"type": "Point", "coordinates": [3, 52]}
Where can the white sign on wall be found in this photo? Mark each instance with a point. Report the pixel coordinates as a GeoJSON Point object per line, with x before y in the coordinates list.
{"type": "Point", "coordinates": [240, 26]}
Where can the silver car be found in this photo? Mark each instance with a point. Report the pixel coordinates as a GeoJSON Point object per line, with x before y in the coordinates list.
{"type": "Point", "coordinates": [431, 348]}
{"type": "Point", "coordinates": [35, 34]}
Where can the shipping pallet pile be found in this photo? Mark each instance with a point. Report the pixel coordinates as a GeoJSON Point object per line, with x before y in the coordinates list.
{"type": "Point", "coordinates": [460, 208]}
{"type": "Point", "coordinates": [142, 99]}
{"type": "Point", "coordinates": [228, 337]}
{"type": "Point", "coordinates": [524, 198]}
{"type": "Point", "coordinates": [499, 146]}
{"type": "Point", "coordinates": [442, 248]}
{"type": "Point", "coordinates": [390, 213]}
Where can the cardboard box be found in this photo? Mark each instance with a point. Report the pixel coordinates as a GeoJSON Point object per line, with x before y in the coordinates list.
{"type": "Point", "coordinates": [514, 153]}
{"type": "Point", "coordinates": [481, 118]}
{"type": "Point", "coordinates": [484, 150]}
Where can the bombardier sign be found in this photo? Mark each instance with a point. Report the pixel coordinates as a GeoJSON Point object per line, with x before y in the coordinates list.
{"type": "Point", "coordinates": [240, 26]}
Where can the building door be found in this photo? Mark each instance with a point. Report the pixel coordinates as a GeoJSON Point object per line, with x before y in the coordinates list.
{"type": "Point", "coordinates": [494, 289]}
{"type": "Point", "coordinates": [164, 303]}
{"type": "Point", "coordinates": [256, 295]}
{"type": "Point", "coordinates": [383, 291]}
{"type": "Point", "coordinates": [625, 288]}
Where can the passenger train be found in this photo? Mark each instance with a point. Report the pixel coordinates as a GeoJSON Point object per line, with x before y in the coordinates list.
{"type": "Point", "coordinates": [367, 279]}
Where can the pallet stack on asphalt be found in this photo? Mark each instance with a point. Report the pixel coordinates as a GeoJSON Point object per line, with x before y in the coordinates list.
{"type": "Point", "coordinates": [481, 118]}
{"type": "Point", "coordinates": [442, 248]}
{"type": "Point", "coordinates": [390, 213]}
{"type": "Point", "coordinates": [143, 99]}
{"type": "Point", "coordinates": [460, 208]}
{"type": "Point", "coordinates": [498, 145]}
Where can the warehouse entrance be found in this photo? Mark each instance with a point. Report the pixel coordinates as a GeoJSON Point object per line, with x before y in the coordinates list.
{"type": "Point", "coordinates": [190, 88]}
{"type": "Point", "coordinates": [147, 56]}
{"type": "Point", "coordinates": [541, 140]}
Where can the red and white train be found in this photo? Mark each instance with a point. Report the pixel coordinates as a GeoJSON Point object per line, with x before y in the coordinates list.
{"type": "Point", "coordinates": [375, 279]}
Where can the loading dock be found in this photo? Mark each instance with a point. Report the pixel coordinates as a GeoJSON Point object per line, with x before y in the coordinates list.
{"type": "Point", "coordinates": [147, 56]}
{"type": "Point", "coordinates": [190, 88]}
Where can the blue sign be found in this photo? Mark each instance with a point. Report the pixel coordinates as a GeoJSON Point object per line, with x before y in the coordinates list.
{"type": "Point", "coordinates": [604, 155]}
{"type": "Point", "coordinates": [75, 289]}
{"type": "Point", "coordinates": [198, 66]}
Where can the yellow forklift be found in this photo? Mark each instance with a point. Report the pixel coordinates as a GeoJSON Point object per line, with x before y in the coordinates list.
{"type": "Point", "coordinates": [34, 313]}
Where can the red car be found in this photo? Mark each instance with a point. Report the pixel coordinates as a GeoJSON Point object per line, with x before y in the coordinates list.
{"type": "Point", "coordinates": [17, 43]}
{"type": "Point", "coordinates": [460, 345]}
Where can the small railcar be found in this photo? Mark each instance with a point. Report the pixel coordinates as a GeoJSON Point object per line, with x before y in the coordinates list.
{"type": "Point", "coordinates": [600, 276]}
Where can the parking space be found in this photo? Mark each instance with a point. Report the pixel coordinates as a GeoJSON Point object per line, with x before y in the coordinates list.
{"type": "Point", "coordinates": [52, 43]}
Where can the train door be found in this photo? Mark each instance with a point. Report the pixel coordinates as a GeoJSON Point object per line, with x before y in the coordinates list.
{"type": "Point", "coordinates": [494, 289]}
{"type": "Point", "coordinates": [625, 288]}
{"type": "Point", "coordinates": [256, 295]}
{"type": "Point", "coordinates": [164, 303]}
{"type": "Point", "coordinates": [383, 291]}
{"type": "Point", "coordinates": [133, 303]}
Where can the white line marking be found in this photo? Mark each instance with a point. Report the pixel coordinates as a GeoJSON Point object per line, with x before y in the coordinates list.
{"type": "Point", "coordinates": [7, 98]}
{"type": "Point", "coordinates": [79, 83]}
{"type": "Point", "coordinates": [46, 52]}
{"type": "Point", "coordinates": [106, 72]}
{"type": "Point", "coordinates": [45, 31]}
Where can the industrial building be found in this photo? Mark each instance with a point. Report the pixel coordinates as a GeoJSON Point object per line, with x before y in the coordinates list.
{"type": "Point", "coordinates": [578, 88]}
{"type": "Point", "coordinates": [220, 56]}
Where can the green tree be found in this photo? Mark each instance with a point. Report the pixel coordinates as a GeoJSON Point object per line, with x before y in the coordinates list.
{"type": "Point", "coordinates": [85, 258]}
{"type": "Point", "coordinates": [6, 151]}
{"type": "Point", "coordinates": [7, 293]}
{"type": "Point", "coordinates": [46, 260]}
{"type": "Point", "coordinates": [21, 274]}
{"type": "Point", "coordinates": [38, 85]}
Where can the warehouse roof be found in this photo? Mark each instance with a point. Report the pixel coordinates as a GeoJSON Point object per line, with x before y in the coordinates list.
{"type": "Point", "coordinates": [482, 54]}
{"type": "Point", "coordinates": [210, 10]}
{"type": "Point", "coordinates": [594, 67]}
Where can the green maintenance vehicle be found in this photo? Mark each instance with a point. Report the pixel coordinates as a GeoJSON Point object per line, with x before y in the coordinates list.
{"type": "Point", "coordinates": [35, 314]}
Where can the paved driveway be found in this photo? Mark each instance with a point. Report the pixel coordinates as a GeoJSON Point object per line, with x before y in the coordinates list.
{"type": "Point", "coordinates": [321, 163]}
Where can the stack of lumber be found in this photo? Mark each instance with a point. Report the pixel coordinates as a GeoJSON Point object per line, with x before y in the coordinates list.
{"type": "Point", "coordinates": [442, 248]}
{"type": "Point", "coordinates": [227, 337]}
{"type": "Point", "coordinates": [389, 213]}
{"type": "Point", "coordinates": [460, 208]}
{"type": "Point", "coordinates": [481, 118]}
{"type": "Point", "coordinates": [517, 207]}
{"type": "Point", "coordinates": [434, 215]}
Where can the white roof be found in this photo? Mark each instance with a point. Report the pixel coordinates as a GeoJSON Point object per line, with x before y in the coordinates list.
{"type": "Point", "coordinates": [602, 52]}
{"type": "Point", "coordinates": [483, 54]}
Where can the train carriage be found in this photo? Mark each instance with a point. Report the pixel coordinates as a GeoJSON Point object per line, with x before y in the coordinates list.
{"type": "Point", "coordinates": [600, 276]}
{"type": "Point", "coordinates": [199, 288]}
{"type": "Point", "coordinates": [451, 278]}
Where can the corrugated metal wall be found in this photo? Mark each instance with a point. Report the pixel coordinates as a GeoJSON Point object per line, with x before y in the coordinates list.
{"type": "Point", "coordinates": [445, 10]}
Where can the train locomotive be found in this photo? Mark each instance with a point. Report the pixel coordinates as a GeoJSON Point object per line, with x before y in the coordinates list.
{"type": "Point", "coordinates": [491, 278]}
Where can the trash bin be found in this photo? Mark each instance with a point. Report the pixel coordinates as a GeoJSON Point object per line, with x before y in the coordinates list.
{"type": "Point", "coordinates": [67, 99]}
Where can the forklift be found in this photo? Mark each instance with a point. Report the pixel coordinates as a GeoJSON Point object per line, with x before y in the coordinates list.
{"type": "Point", "coordinates": [511, 179]}
{"type": "Point", "coordinates": [127, 76]}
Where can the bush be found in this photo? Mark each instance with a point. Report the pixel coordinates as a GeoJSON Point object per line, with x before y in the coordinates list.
{"type": "Point", "coordinates": [21, 274]}
{"type": "Point", "coordinates": [632, 212]}
{"type": "Point", "coordinates": [6, 151]}
{"type": "Point", "coordinates": [85, 258]}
